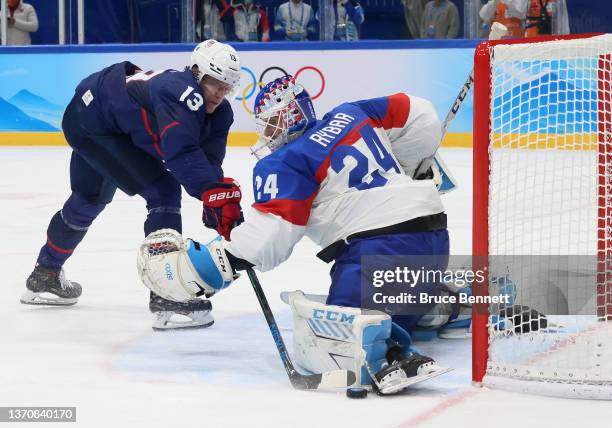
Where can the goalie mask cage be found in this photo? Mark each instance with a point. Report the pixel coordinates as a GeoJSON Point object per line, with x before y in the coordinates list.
{"type": "Point", "coordinates": [542, 187]}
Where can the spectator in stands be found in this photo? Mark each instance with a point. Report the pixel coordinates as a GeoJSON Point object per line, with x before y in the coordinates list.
{"type": "Point", "coordinates": [251, 22]}
{"type": "Point", "coordinates": [345, 18]}
{"type": "Point", "coordinates": [547, 17]}
{"type": "Point", "coordinates": [208, 19]}
{"type": "Point", "coordinates": [295, 21]}
{"type": "Point", "coordinates": [511, 13]}
{"type": "Point", "coordinates": [413, 14]}
{"type": "Point", "coordinates": [21, 21]}
{"type": "Point", "coordinates": [440, 20]}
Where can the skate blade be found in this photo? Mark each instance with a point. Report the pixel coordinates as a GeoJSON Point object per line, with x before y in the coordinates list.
{"type": "Point", "coordinates": [168, 320]}
{"type": "Point", "coordinates": [428, 373]}
{"type": "Point", "coordinates": [31, 298]}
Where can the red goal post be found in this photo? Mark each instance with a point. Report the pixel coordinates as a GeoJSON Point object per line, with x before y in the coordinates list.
{"type": "Point", "coordinates": [543, 103]}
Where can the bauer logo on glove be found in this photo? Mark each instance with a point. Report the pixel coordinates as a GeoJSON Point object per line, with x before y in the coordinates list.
{"type": "Point", "coordinates": [221, 209]}
{"type": "Point", "coordinates": [216, 197]}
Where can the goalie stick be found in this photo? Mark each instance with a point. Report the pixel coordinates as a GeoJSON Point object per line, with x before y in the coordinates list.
{"type": "Point", "coordinates": [448, 182]}
{"type": "Point", "coordinates": [497, 32]}
{"type": "Point", "coordinates": [326, 380]}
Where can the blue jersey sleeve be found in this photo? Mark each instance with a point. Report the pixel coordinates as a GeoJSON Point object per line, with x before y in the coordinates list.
{"type": "Point", "coordinates": [282, 190]}
{"type": "Point", "coordinates": [216, 142]}
{"type": "Point", "coordinates": [180, 111]}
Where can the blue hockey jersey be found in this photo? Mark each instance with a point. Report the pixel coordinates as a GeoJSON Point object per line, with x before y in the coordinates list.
{"type": "Point", "coordinates": [349, 172]}
{"type": "Point", "coordinates": [164, 113]}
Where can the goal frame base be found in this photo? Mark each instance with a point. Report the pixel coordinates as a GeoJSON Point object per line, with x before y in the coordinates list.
{"type": "Point", "coordinates": [584, 391]}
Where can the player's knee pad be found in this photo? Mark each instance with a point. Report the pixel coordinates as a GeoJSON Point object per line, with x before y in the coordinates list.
{"type": "Point", "coordinates": [180, 270]}
{"type": "Point", "coordinates": [328, 337]}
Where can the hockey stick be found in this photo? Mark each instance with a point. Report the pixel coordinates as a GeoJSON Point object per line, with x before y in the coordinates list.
{"type": "Point", "coordinates": [448, 182]}
{"type": "Point", "coordinates": [497, 32]}
{"type": "Point", "coordinates": [331, 379]}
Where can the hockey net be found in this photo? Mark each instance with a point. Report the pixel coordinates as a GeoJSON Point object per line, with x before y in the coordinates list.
{"type": "Point", "coordinates": [543, 215]}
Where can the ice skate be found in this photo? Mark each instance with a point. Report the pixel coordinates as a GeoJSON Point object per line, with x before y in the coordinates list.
{"type": "Point", "coordinates": [49, 286]}
{"type": "Point", "coordinates": [169, 315]}
{"type": "Point", "coordinates": [404, 372]}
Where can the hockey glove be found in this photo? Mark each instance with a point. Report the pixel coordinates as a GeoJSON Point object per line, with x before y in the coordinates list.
{"type": "Point", "coordinates": [222, 210]}
{"type": "Point", "coordinates": [180, 270]}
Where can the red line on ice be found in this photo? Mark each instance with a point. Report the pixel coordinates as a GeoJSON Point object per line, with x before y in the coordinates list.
{"type": "Point", "coordinates": [439, 408]}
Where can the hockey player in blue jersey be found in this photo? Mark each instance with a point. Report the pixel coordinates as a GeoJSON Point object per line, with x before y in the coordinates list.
{"type": "Point", "coordinates": [146, 133]}
{"type": "Point", "coordinates": [345, 182]}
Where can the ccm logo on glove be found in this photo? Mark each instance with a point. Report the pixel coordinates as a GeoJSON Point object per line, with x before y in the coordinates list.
{"type": "Point", "coordinates": [221, 258]}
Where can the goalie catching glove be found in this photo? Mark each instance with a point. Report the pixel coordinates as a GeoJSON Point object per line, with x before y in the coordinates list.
{"type": "Point", "coordinates": [179, 270]}
{"type": "Point", "coordinates": [222, 210]}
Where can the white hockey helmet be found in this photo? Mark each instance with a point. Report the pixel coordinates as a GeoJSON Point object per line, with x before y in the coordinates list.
{"type": "Point", "coordinates": [218, 60]}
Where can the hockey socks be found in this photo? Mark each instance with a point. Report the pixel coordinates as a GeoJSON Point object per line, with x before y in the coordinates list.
{"type": "Point", "coordinates": [67, 229]}
{"type": "Point", "coordinates": [62, 239]}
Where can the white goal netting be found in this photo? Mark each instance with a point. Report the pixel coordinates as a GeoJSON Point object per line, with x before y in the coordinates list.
{"type": "Point", "coordinates": [550, 217]}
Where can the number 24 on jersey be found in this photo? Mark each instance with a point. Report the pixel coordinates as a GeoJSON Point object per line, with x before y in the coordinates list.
{"type": "Point", "coordinates": [270, 186]}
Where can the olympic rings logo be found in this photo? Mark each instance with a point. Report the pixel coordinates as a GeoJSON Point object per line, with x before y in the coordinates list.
{"type": "Point", "coordinates": [249, 90]}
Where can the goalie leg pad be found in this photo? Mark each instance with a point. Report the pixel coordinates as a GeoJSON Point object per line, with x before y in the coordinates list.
{"type": "Point", "coordinates": [328, 337]}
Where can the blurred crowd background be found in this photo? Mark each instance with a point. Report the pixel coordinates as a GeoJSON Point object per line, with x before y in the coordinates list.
{"type": "Point", "coordinates": [171, 21]}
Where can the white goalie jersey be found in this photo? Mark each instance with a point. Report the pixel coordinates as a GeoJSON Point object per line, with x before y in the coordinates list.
{"type": "Point", "coordinates": [350, 172]}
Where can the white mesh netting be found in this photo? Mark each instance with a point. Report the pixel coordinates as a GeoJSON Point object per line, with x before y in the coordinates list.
{"type": "Point", "coordinates": [550, 195]}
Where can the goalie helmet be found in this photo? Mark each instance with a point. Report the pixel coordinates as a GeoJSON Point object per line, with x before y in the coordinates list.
{"type": "Point", "coordinates": [217, 60]}
{"type": "Point", "coordinates": [283, 111]}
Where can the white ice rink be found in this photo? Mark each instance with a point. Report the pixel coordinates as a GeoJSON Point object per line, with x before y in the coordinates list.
{"type": "Point", "coordinates": [102, 356]}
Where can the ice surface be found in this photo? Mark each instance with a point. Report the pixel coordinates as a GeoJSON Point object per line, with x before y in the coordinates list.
{"type": "Point", "coordinates": [102, 356]}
